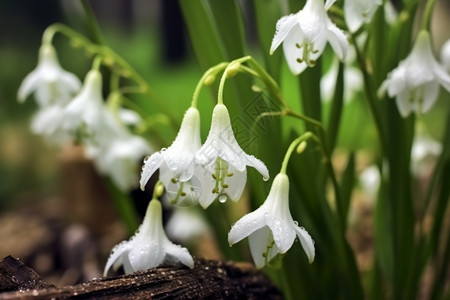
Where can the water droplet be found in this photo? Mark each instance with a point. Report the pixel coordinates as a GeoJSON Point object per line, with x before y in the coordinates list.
{"type": "Point", "coordinates": [146, 158]}
{"type": "Point", "coordinates": [265, 178]}
{"type": "Point", "coordinates": [223, 198]}
{"type": "Point", "coordinates": [163, 149]}
{"type": "Point", "coordinates": [296, 223]}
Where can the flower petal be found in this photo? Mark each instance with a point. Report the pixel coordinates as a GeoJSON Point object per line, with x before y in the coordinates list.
{"type": "Point", "coordinates": [236, 183]}
{"type": "Point", "coordinates": [337, 40]}
{"type": "Point", "coordinates": [261, 246]}
{"type": "Point", "coordinates": [247, 225]}
{"type": "Point", "coordinates": [430, 94]}
{"type": "Point", "coordinates": [291, 51]}
{"type": "Point", "coordinates": [403, 103]}
{"type": "Point", "coordinates": [176, 254]}
{"type": "Point", "coordinates": [284, 25]}
{"type": "Point", "coordinates": [116, 256]}
{"type": "Point", "coordinates": [258, 165]}
{"type": "Point", "coordinates": [306, 241]}
{"type": "Point", "coordinates": [27, 86]}
{"type": "Point", "coordinates": [151, 164]}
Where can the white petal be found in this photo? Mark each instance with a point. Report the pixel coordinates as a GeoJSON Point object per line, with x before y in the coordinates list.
{"type": "Point", "coordinates": [292, 52]}
{"type": "Point", "coordinates": [150, 166]}
{"type": "Point", "coordinates": [247, 225]}
{"type": "Point", "coordinates": [259, 242]}
{"type": "Point", "coordinates": [236, 183]}
{"type": "Point", "coordinates": [27, 86]}
{"type": "Point", "coordinates": [403, 103]}
{"type": "Point", "coordinates": [282, 231]}
{"type": "Point", "coordinates": [329, 3]}
{"type": "Point", "coordinates": [307, 242]}
{"type": "Point", "coordinates": [176, 253]}
{"type": "Point", "coordinates": [258, 165]}
{"type": "Point", "coordinates": [146, 254]}
{"type": "Point", "coordinates": [430, 94]}
{"type": "Point", "coordinates": [445, 55]}
{"type": "Point", "coordinates": [337, 40]}
{"type": "Point", "coordinates": [284, 25]}
{"type": "Point", "coordinates": [116, 253]}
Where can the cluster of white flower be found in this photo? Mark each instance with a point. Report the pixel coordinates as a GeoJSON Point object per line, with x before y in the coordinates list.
{"type": "Point", "coordinates": [71, 111]}
{"type": "Point", "coordinates": [414, 83]}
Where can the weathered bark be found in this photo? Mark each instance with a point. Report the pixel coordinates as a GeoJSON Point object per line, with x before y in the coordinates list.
{"type": "Point", "coordinates": [209, 279]}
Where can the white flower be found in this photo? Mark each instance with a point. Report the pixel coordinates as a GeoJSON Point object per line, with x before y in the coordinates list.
{"type": "Point", "coordinates": [370, 180]}
{"type": "Point", "coordinates": [176, 164]}
{"type": "Point", "coordinates": [119, 157]}
{"type": "Point", "coordinates": [50, 83]}
{"type": "Point", "coordinates": [305, 34]}
{"type": "Point", "coordinates": [445, 55]}
{"type": "Point", "coordinates": [186, 224]}
{"type": "Point", "coordinates": [149, 247]}
{"type": "Point", "coordinates": [358, 12]}
{"type": "Point", "coordinates": [424, 149]}
{"type": "Point", "coordinates": [415, 82]}
{"type": "Point", "coordinates": [224, 161]}
{"type": "Point", "coordinates": [270, 229]}
{"type": "Point", "coordinates": [87, 111]}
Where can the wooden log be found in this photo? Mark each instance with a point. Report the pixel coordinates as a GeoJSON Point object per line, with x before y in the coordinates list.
{"type": "Point", "coordinates": [209, 279]}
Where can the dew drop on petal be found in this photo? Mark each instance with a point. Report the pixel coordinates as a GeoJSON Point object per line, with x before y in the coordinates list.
{"type": "Point", "coordinates": [265, 178]}
{"type": "Point", "coordinates": [223, 198]}
{"type": "Point", "coordinates": [296, 223]}
{"type": "Point", "coordinates": [163, 149]}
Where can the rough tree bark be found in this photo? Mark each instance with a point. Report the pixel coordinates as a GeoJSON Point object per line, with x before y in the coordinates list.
{"type": "Point", "coordinates": [209, 279]}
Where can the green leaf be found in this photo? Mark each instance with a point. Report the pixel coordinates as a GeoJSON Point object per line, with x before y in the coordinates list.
{"type": "Point", "coordinates": [348, 180]}
{"type": "Point", "coordinates": [336, 109]}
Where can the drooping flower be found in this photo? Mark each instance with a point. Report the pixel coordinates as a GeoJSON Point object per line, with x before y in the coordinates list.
{"type": "Point", "coordinates": [424, 150]}
{"type": "Point", "coordinates": [149, 247]}
{"type": "Point", "coordinates": [177, 228]}
{"type": "Point", "coordinates": [271, 228]}
{"type": "Point", "coordinates": [119, 157]}
{"type": "Point", "coordinates": [224, 162]}
{"type": "Point", "coordinates": [415, 82]}
{"type": "Point", "coordinates": [305, 34]}
{"type": "Point", "coordinates": [176, 164]}
{"type": "Point", "coordinates": [49, 82]}
{"type": "Point", "coordinates": [358, 12]}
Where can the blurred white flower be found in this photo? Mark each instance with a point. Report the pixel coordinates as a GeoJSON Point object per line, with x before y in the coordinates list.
{"type": "Point", "coordinates": [224, 162]}
{"type": "Point", "coordinates": [358, 12]}
{"type": "Point", "coordinates": [370, 180]}
{"type": "Point", "coordinates": [48, 81]}
{"type": "Point", "coordinates": [445, 55]}
{"type": "Point", "coordinates": [353, 79]}
{"type": "Point", "coordinates": [270, 229]}
{"type": "Point", "coordinates": [415, 82]}
{"type": "Point", "coordinates": [305, 34]}
{"type": "Point", "coordinates": [176, 164]}
{"type": "Point", "coordinates": [185, 224]}
{"type": "Point", "coordinates": [119, 157]}
{"type": "Point", "coordinates": [423, 149]}
{"type": "Point", "coordinates": [149, 247]}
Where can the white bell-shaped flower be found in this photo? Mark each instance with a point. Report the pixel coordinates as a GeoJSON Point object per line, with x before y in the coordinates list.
{"type": "Point", "coordinates": [50, 83]}
{"type": "Point", "coordinates": [270, 229]}
{"type": "Point", "coordinates": [224, 162]}
{"type": "Point", "coordinates": [305, 34]}
{"type": "Point", "coordinates": [149, 247]}
{"type": "Point", "coordinates": [119, 157]}
{"type": "Point", "coordinates": [176, 164]}
{"type": "Point", "coordinates": [358, 12]}
{"type": "Point", "coordinates": [415, 82]}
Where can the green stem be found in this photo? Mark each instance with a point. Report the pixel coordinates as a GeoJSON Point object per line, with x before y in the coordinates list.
{"type": "Point", "coordinates": [371, 96]}
{"type": "Point", "coordinates": [210, 72]}
{"type": "Point", "coordinates": [291, 148]}
{"type": "Point", "coordinates": [92, 22]}
{"type": "Point", "coordinates": [426, 20]}
{"type": "Point", "coordinates": [224, 76]}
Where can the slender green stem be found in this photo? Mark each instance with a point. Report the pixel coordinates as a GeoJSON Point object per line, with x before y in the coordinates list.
{"type": "Point", "coordinates": [225, 74]}
{"type": "Point", "coordinates": [426, 20]}
{"type": "Point", "coordinates": [92, 22]}
{"type": "Point", "coordinates": [210, 73]}
{"type": "Point", "coordinates": [97, 63]}
{"type": "Point", "coordinates": [291, 148]}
